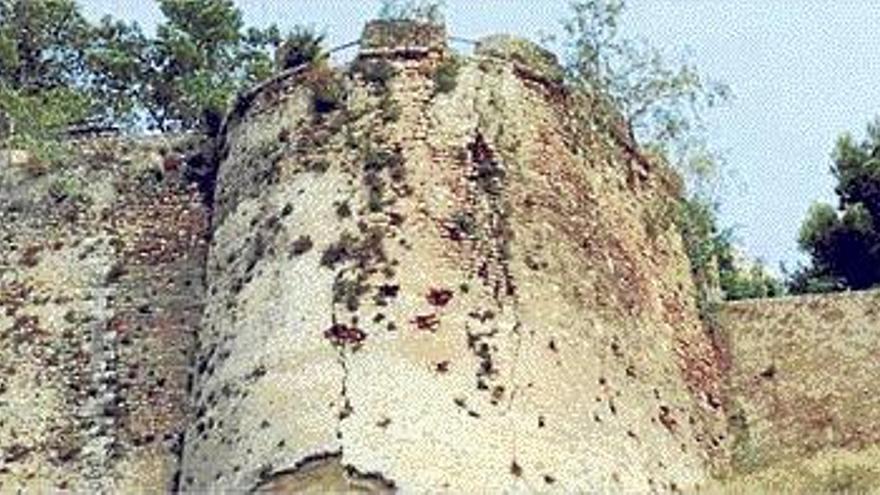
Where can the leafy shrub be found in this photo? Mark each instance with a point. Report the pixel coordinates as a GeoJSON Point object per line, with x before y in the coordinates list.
{"type": "Point", "coordinates": [67, 188]}
{"type": "Point", "coordinates": [328, 91]}
{"type": "Point", "coordinates": [715, 264]}
{"type": "Point", "coordinates": [376, 71]}
{"type": "Point", "coordinates": [426, 11]}
{"type": "Point", "coordinates": [446, 75]}
{"type": "Point", "coordinates": [301, 46]}
{"type": "Point", "coordinates": [39, 120]}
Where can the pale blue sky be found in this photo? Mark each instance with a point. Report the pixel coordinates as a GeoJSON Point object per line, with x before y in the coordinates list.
{"type": "Point", "coordinates": [803, 71]}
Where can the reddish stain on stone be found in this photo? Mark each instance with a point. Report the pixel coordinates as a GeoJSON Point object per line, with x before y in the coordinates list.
{"type": "Point", "coordinates": [439, 297]}
{"type": "Point", "coordinates": [426, 322]}
{"type": "Point", "coordinates": [343, 334]}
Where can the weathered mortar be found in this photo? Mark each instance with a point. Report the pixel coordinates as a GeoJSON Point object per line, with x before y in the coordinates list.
{"type": "Point", "coordinates": [472, 291]}
{"type": "Point", "coordinates": [803, 376]}
{"type": "Point", "coordinates": [101, 270]}
{"type": "Point", "coordinates": [410, 286]}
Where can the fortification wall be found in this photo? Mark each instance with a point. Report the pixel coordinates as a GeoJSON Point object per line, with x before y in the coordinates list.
{"type": "Point", "coordinates": [425, 273]}
{"type": "Point", "coordinates": [803, 376]}
{"type": "Point", "coordinates": [101, 267]}
{"type": "Point", "coordinates": [475, 290]}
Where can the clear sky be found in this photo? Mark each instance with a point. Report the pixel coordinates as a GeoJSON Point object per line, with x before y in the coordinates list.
{"type": "Point", "coordinates": [802, 72]}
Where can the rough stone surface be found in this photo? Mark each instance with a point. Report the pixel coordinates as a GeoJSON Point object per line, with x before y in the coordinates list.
{"type": "Point", "coordinates": [467, 291]}
{"type": "Point", "coordinates": [803, 376]}
{"type": "Point", "coordinates": [425, 273]}
{"type": "Point", "coordinates": [101, 268]}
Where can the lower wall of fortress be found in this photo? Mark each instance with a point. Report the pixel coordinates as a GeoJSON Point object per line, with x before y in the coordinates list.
{"type": "Point", "coordinates": [802, 377]}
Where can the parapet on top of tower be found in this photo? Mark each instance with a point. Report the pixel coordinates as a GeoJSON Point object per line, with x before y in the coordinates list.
{"type": "Point", "coordinates": [526, 55]}
{"type": "Point", "coordinates": [403, 38]}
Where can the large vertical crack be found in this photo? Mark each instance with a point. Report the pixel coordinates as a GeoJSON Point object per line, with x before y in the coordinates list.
{"type": "Point", "coordinates": [491, 177]}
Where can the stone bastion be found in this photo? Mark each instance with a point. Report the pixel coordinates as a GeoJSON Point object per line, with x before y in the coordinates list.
{"type": "Point", "coordinates": [420, 272]}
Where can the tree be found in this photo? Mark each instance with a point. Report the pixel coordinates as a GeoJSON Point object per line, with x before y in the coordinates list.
{"type": "Point", "coordinates": [200, 58]}
{"type": "Point", "coordinates": [719, 271]}
{"type": "Point", "coordinates": [843, 243]}
{"type": "Point", "coordinates": [663, 102]}
{"type": "Point", "coordinates": [56, 69]}
{"type": "Point", "coordinates": [42, 72]}
{"type": "Point", "coordinates": [185, 77]}
{"type": "Point", "coordinates": [41, 44]}
{"type": "Point", "coordinates": [744, 279]}
{"type": "Point", "coordinates": [120, 65]}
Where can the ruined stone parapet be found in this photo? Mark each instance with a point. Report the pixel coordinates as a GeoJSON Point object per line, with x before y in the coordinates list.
{"type": "Point", "coordinates": [445, 288]}
{"type": "Point", "coordinates": [525, 55]}
{"type": "Point", "coordinates": [402, 38]}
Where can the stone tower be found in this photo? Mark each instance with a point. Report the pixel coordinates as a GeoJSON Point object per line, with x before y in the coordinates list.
{"type": "Point", "coordinates": [434, 273]}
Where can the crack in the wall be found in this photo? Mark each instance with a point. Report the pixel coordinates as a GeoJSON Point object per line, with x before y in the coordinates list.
{"type": "Point", "coordinates": [490, 176]}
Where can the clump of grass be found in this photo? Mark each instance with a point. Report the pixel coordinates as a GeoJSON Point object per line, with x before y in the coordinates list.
{"type": "Point", "coordinates": [349, 292]}
{"type": "Point", "coordinates": [67, 189]}
{"type": "Point", "coordinates": [328, 91]}
{"type": "Point", "coordinates": [301, 245]}
{"type": "Point", "coordinates": [339, 251]}
{"type": "Point", "coordinates": [377, 72]}
{"type": "Point", "coordinates": [302, 46]}
{"type": "Point", "coordinates": [446, 75]}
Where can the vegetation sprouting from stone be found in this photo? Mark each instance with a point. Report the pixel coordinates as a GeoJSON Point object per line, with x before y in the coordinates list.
{"type": "Point", "coordinates": [377, 72]}
{"type": "Point", "coordinates": [426, 11]}
{"type": "Point", "coordinates": [446, 75]}
{"type": "Point", "coordinates": [301, 46]}
{"type": "Point", "coordinates": [662, 102]}
{"type": "Point", "coordinates": [328, 90]}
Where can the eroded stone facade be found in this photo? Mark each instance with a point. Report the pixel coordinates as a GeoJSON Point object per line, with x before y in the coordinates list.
{"type": "Point", "coordinates": [101, 276]}
{"type": "Point", "coordinates": [803, 376]}
{"type": "Point", "coordinates": [419, 272]}
{"type": "Point", "coordinates": [472, 289]}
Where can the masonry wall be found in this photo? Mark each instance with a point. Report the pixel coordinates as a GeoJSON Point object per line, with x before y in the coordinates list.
{"type": "Point", "coordinates": [101, 276]}
{"type": "Point", "coordinates": [422, 287]}
{"type": "Point", "coordinates": [803, 376]}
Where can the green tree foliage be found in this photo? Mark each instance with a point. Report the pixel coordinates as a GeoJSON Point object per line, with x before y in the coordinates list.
{"type": "Point", "coordinates": [427, 11]}
{"type": "Point", "coordinates": [201, 57]}
{"type": "Point", "coordinates": [120, 63]}
{"type": "Point", "coordinates": [843, 243]}
{"type": "Point", "coordinates": [181, 79]}
{"type": "Point", "coordinates": [662, 101]}
{"type": "Point", "coordinates": [741, 279]}
{"type": "Point", "coordinates": [38, 117]}
{"type": "Point", "coordinates": [42, 44]}
{"type": "Point", "coordinates": [300, 46]}
{"type": "Point", "coordinates": [718, 271]}
{"type": "Point", "coordinates": [42, 72]}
